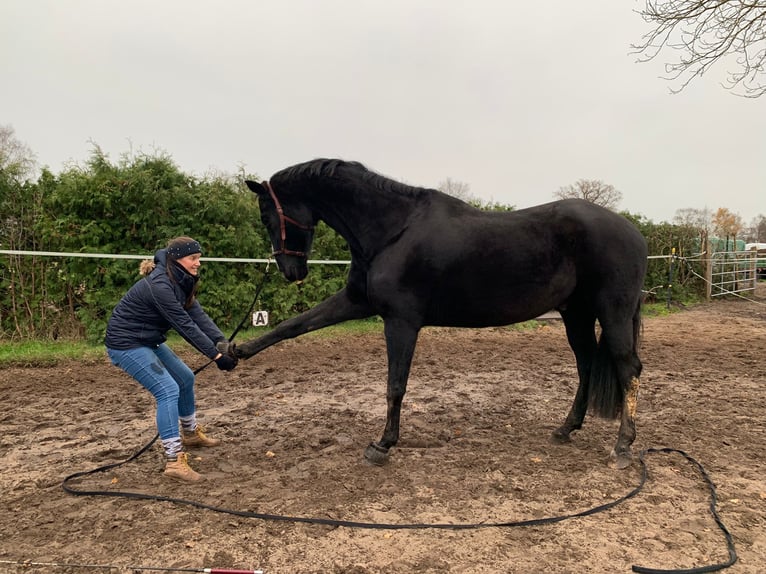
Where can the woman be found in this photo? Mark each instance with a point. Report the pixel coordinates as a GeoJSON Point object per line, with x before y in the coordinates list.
{"type": "Point", "coordinates": [135, 341]}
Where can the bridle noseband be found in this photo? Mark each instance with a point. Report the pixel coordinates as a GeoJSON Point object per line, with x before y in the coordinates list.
{"type": "Point", "coordinates": [283, 219]}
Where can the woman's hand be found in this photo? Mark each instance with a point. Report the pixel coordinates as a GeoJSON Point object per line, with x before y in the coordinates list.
{"type": "Point", "coordinates": [225, 362]}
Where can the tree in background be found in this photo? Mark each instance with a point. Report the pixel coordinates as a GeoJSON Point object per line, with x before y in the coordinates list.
{"type": "Point", "coordinates": [17, 166]}
{"type": "Point", "coordinates": [727, 225]}
{"type": "Point", "coordinates": [593, 190]}
{"type": "Point", "coordinates": [699, 220]}
{"type": "Point", "coordinates": [462, 191]}
{"type": "Point", "coordinates": [703, 32]}
{"type": "Point", "coordinates": [457, 189]}
{"type": "Point", "coordinates": [21, 293]}
{"type": "Point", "coordinates": [756, 233]}
{"type": "Point", "coordinates": [16, 158]}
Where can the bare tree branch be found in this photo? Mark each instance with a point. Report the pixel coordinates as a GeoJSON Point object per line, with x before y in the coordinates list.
{"type": "Point", "coordinates": [455, 188]}
{"type": "Point", "coordinates": [704, 33]}
{"type": "Point", "coordinates": [16, 158]}
{"type": "Point", "coordinates": [593, 190]}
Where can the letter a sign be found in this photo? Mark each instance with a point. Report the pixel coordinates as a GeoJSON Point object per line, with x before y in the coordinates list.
{"type": "Point", "coordinates": [260, 318]}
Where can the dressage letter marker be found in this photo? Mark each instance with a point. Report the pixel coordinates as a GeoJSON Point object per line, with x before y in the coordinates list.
{"type": "Point", "coordinates": [260, 318]}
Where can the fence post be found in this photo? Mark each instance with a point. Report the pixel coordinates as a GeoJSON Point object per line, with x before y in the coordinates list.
{"type": "Point", "coordinates": [754, 269]}
{"type": "Point", "coordinates": [670, 275]}
{"type": "Point", "coordinates": [709, 271]}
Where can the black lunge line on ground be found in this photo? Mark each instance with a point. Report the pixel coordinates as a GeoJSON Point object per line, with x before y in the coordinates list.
{"type": "Point", "coordinates": [713, 510]}
{"type": "Point", "coordinates": [413, 526]}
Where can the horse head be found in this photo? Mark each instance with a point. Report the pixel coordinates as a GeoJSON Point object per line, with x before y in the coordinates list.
{"type": "Point", "coordinates": [291, 235]}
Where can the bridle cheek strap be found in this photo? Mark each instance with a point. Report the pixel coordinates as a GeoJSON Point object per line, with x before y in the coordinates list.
{"type": "Point", "coordinates": [283, 220]}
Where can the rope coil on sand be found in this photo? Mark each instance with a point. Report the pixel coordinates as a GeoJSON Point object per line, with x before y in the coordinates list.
{"type": "Point", "coordinates": [443, 526]}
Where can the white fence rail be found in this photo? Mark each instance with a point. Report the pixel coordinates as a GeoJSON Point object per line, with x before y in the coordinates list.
{"type": "Point", "coordinates": [727, 273]}
{"type": "Point", "coordinates": [150, 256]}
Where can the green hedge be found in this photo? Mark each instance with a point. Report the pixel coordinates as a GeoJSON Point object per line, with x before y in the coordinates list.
{"type": "Point", "coordinates": [134, 206]}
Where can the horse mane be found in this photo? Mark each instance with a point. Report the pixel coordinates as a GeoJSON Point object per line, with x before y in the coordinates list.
{"type": "Point", "coordinates": [345, 172]}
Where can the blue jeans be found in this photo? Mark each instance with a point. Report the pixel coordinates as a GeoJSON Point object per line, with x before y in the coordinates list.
{"type": "Point", "coordinates": [164, 375]}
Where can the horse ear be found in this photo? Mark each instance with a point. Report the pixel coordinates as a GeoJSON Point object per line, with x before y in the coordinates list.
{"type": "Point", "coordinates": [255, 186]}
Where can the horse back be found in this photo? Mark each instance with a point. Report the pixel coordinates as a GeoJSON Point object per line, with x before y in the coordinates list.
{"type": "Point", "coordinates": [461, 266]}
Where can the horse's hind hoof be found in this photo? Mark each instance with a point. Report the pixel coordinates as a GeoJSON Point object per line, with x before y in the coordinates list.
{"type": "Point", "coordinates": [376, 454]}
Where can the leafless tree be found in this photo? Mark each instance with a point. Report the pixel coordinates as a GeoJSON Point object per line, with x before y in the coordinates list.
{"type": "Point", "coordinates": [700, 219]}
{"type": "Point", "coordinates": [757, 230]}
{"type": "Point", "coordinates": [16, 159]}
{"type": "Point", "coordinates": [593, 190]}
{"type": "Point", "coordinates": [457, 189]}
{"type": "Point", "coordinates": [703, 32]}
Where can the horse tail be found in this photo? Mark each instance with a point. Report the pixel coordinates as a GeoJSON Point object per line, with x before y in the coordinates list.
{"type": "Point", "coordinates": [606, 391]}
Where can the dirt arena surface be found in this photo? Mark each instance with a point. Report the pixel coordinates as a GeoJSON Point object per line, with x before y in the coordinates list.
{"type": "Point", "coordinates": [475, 448]}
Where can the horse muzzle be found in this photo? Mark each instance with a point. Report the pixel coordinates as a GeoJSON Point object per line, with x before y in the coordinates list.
{"type": "Point", "coordinates": [292, 269]}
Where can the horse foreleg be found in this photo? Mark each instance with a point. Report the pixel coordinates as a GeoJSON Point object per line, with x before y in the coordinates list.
{"type": "Point", "coordinates": [400, 345]}
{"type": "Point", "coordinates": [333, 310]}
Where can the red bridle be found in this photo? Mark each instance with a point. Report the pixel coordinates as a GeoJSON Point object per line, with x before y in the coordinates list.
{"type": "Point", "coordinates": [283, 219]}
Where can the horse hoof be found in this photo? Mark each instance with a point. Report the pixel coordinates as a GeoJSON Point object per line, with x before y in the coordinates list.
{"type": "Point", "coordinates": [560, 436]}
{"type": "Point", "coordinates": [376, 454]}
{"type": "Point", "coordinates": [620, 461]}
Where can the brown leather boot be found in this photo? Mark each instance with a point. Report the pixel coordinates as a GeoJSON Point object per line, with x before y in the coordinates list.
{"type": "Point", "coordinates": [180, 469]}
{"type": "Point", "coordinates": [198, 438]}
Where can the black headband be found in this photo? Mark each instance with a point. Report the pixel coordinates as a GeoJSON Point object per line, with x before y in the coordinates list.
{"type": "Point", "coordinates": [181, 251]}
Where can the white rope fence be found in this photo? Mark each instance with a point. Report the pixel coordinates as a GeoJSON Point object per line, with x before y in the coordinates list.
{"type": "Point", "coordinates": [687, 260]}
{"type": "Point", "coordinates": [150, 256]}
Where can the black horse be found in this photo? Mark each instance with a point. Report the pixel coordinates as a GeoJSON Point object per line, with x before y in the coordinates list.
{"type": "Point", "coordinates": [420, 257]}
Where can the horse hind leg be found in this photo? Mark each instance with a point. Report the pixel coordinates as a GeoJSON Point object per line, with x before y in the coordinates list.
{"type": "Point", "coordinates": [621, 455]}
{"type": "Point", "coordinates": [580, 329]}
{"type": "Point", "coordinates": [622, 341]}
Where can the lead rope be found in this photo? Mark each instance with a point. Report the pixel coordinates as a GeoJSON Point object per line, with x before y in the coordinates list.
{"type": "Point", "coordinates": [385, 526]}
{"type": "Point", "coordinates": [245, 317]}
{"type": "Point", "coordinates": [713, 510]}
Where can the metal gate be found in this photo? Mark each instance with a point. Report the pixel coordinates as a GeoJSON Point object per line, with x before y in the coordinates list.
{"type": "Point", "coordinates": [731, 272]}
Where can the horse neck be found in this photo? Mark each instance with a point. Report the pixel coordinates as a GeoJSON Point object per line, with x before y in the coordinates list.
{"type": "Point", "coordinates": [366, 217]}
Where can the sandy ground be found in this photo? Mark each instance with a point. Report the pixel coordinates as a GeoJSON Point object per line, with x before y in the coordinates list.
{"type": "Point", "coordinates": [475, 448]}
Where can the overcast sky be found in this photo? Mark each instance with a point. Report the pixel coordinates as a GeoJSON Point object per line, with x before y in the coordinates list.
{"type": "Point", "coordinates": [515, 99]}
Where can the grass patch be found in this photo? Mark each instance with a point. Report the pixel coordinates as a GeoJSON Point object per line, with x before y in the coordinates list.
{"type": "Point", "coordinates": [530, 325]}
{"type": "Point", "coordinates": [657, 309]}
{"type": "Point", "coordinates": [363, 326]}
{"type": "Point", "coordinates": [48, 353]}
